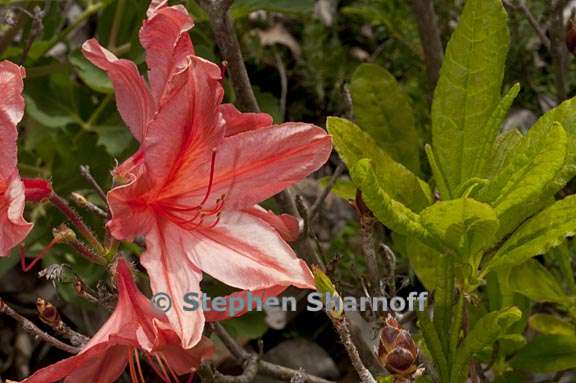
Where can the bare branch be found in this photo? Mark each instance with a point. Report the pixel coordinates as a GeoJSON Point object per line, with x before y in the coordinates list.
{"type": "Point", "coordinates": [264, 368]}
{"type": "Point", "coordinates": [430, 38]}
{"type": "Point", "coordinates": [32, 329]}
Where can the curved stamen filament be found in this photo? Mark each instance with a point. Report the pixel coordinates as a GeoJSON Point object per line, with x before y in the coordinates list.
{"type": "Point", "coordinates": [172, 372]}
{"type": "Point", "coordinates": [139, 366]}
{"type": "Point", "coordinates": [162, 376]}
{"type": "Point", "coordinates": [133, 375]}
{"type": "Point", "coordinates": [162, 368]}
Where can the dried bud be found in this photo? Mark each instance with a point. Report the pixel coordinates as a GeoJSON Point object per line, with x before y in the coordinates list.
{"type": "Point", "coordinates": [79, 287]}
{"type": "Point", "coordinates": [48, 312]}
{"type": "Point", "coordinates": [64, 234]}
{"type": "Point", "coordinates": [79, 199]}
{"type": "Point", "coordinates": [36, 189]}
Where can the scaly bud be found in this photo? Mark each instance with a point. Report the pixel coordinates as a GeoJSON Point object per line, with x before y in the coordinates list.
{"type": "Point", "coordinates": [397, 351]}
{"type": "Point", "coordinates": [48, 313]}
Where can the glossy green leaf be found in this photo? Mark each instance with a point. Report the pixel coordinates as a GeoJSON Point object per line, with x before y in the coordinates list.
{"type": "Point", "coordinates": [537, 235]}
{"type": "Point", "coordinates": [382, 108]}
{"type": "Point", "coordinates": [353, 144]}
{"type": "Point", "coordinates": [389, 211]}
{"type": "Point", "coordinates": [547, 353]}
{"type": "Point", "coordinates": [492, 128]}
{"type": "Point", "coordinates": [464, 225]}
{"type": "Point", "coordinates": [536, 282]}
{"type": "Point", "coordinates": [485, 332]}
{"type": "Point", "coordinates": [527, 175]}
{"type": "Point", "coordinates": [468, 90]}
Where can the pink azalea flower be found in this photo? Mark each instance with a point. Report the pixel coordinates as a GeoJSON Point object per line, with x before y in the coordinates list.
{"type": "Point", "coordinates": [13, 226]}
{"type": "Point", "coordinates": [134, 327]}
{"type": "Point", "coordinates": [193, 187]}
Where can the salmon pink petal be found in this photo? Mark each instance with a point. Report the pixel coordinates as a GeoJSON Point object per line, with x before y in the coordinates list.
{"type": "Point", "coordinates": [103, 363]}
{"type": "Point", "coordinates": [171, 273]}
{"type": "Point", "coordinates": [133, 98]}
{"type": "Point", "coordinates": [285, 224]}
{"type": "Point", "coordinates": [238, 122]}
{"type": "Point", "coordinates": [165, 37]}
{"type": "Point", "coordinates": [245, 252]}
{"type": "Point", "coordinates": [255, 165]}
{"type": "Point", "coordinates": [13, 227]}
{"type": "Point", "coordinates": [185, 361]}
{"type": "Point", "coordinates": [11, 112]}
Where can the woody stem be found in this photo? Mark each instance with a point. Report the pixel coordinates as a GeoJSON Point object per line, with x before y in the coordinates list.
{"type": "Point", "coordinates": [32, 329]}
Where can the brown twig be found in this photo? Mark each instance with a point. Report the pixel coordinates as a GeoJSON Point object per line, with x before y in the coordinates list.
{"type": "Point", "coordinates": [315, 208]}
{"type": "Point", "coordinates": [49, 314]}
{"type": "Point", "coordinates": [32, 329]}
{"type": "Point", "coordinates": [229, 46]}
{"type": "Point", "coordinates": [264, 368]}
{"type": "Point", "coordinates": [85, 172]}
{"type": "Point", "coordinates": [521, 6]}
{"type": "Point", "coordinates": [558, 49]}
{"type": "Point", "coordinates": [342, 328]}
{"type": "Point", "coordinates": [430, 38]}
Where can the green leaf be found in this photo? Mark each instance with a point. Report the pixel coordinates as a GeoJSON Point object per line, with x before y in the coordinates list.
{"type": "Point", "coordinates": [389, 211]}
{"type": "Point", "coordinates": [521, 185]}
{"type": "Point", "coordinates": [433, 344]}
{"type": "Point", "coordinates": [468, 90]}
{"type": "Point", "coordinates": [547, 353]}
{"type": "Point", "coordinates": [353, 144]}
{"type": "Point", "coordinates": [549, 324]}
{"type": "Point", "coordinates": [94, 77]}
{"type": "Point", "coordinates": [493, 128]}
{"type": "Point", "coordinates": [485, 332]}
{"type": "Point", "coordinates": [464, 225]}
{"type": "Point", "coordinates": [536, 236]}
{"type": "Point", "coordinates": [506, 143]}
{"type": "Point", "coordinates": [565, 115]}
{"type": "Point", "coordinates": [382, 108]}
{"type": "Point", "coordinates": [533, 280]}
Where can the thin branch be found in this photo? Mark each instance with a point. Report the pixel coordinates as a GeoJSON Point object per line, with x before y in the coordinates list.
{"type": "Point", "coordinates": [558, 49]}
{"type": "Point", "coordinates": [430, 38]}
{"type": "Point", "coordinates": [264, 368]}
{"type": "Point", "coordinates": [229, 46]}
{"type": "Point", "coordinates": [521, 6]}
{"type": "Point", "coordinates": [49, 314]}
{"type": "Point", "coordinates": [342, 328]}
{"type": "Point", "coordinates": [32, 329]}
{"type": "Point", "coordinates": [315, 208]}
{"type": "Point", "coordinates": [85, 172]}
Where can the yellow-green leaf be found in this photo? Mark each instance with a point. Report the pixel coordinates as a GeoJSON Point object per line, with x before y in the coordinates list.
{"type": "Point", "coordinates": [353, 144]}
{"type": "Point", "coordinates": [382, 108]}
{"type": "Point", "coordinates": [468, 90]}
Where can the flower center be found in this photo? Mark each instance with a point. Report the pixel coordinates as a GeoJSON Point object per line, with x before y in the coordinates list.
{"type": "Point", "coordinates": [192, 217]}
